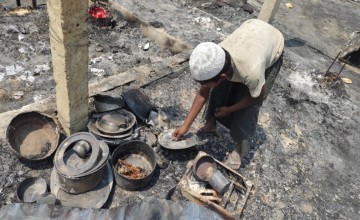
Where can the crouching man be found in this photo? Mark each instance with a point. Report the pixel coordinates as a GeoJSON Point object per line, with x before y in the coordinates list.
{"type": "Point", "coordinates": [235, 77]}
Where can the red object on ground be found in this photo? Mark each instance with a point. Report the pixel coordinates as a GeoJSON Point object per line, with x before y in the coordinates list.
{"type": "Point", "coordinates": [98, 12]}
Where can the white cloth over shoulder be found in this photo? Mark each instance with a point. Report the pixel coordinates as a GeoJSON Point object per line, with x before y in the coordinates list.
{"type": "Point", "coordinates": [253, 47]}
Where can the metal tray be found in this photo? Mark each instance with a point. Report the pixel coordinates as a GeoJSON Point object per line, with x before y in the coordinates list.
{"type": "Point", "coordinates": [230, 205]}
{"type": "Point", "coordinates": [94, 199]}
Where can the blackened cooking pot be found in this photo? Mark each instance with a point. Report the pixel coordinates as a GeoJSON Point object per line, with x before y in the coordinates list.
{"type": "Point", "coordinates": [138, 155]}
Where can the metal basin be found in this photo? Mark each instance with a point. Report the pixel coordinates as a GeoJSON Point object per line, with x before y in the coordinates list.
{"type": "Point", "coordinates": [136, 155]}
{"type": "Point", "coordinates": [33, 136]}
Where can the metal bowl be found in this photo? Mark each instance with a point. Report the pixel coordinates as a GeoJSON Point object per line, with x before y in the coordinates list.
{"type": "Point", "coordinates": [138, 102]}
{"type": "Point", "coordinates": [30, 189]}
{"type": "Point", "coordinates": [33, 136]}
{"type": "Point", "coordinates": [104, 103]}
{"type": "Point", "coordinates": [112, 123]}
{"type": "Point", "coordinates": [139, 154]}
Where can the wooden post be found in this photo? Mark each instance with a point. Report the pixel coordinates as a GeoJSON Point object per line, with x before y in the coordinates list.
{"type": "Point", "coordinates": [34, 4]}
{"type": "Point", "coordinates": [69, 50]}
{"type": "Point", "coordinates": [268, 10]}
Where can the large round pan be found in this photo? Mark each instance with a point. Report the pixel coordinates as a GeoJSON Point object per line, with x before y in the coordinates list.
{"type": "Point", "coordinates": [33, 136]}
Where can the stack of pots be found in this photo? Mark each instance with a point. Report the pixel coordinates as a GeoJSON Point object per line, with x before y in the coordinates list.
{"type": "Point", "coordinates": [114, 127]}
{"type": "Point", "coordinates": [80, 162]}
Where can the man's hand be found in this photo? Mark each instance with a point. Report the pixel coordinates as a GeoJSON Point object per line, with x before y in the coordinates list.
{"type": "Point", "coordinates": [179, 132]}
{"type": "Point", "coordinates": [222, 112]}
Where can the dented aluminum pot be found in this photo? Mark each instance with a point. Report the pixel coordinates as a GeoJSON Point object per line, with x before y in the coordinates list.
{"type": "Point", "coordinates": [68, 144]}
{"type": "Point", "coordinates": [90, 178]}
{"type": "Point", "coordinates": [77, 185]}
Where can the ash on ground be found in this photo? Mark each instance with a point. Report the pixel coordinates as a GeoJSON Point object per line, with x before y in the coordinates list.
{"type": "Point", "coordinates": [305, 158]}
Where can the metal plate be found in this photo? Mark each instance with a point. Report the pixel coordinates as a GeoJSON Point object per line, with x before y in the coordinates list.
{"type": "Point", "coordinates": [93, 129]}
{"type": "Point", "coordinates": [111, 142]}
{"type": "Point", "coordinates": [166, 140]}
{"type": "Point", "coordinates": [94, 199]}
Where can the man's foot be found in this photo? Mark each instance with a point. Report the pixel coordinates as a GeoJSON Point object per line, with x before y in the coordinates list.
{"type": "Point", "coordinates": [207, 129]}
{"type": "Point", "coordinates": [234, 160]}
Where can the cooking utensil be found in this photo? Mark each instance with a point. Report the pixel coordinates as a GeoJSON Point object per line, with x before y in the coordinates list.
{"type": "Point", "coordinates": [33, 136]}
{"type": "Point", "coordinates": [204, 167]}
{"type": "Point", "coordinates": [30, 189]}
{"type": "Point", "coordinates": [93, 199]}
{"type": "Point", "coordinates": [138, 102]}
{"type": "Point", "coordinates": [104, 103]}
{"type": "Point", "coordinates": [139, 155]}
{"type": "Point", "coordinates": [188, 140]}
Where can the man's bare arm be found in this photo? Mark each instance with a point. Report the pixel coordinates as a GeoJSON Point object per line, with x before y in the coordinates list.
{"type": "Point", "coordinates": [197, 105]}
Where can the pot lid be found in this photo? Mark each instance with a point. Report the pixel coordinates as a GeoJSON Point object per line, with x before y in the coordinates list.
{"type": "Point", "coordinates": [72, 159]}
{"type": "Point", "coordinates": [63, 167]}
{"type": "Point", "coordinates": [115, 122]}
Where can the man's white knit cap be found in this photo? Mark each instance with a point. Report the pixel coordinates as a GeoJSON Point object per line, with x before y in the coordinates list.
{"type": "Point", "coordinates": [206, 61]}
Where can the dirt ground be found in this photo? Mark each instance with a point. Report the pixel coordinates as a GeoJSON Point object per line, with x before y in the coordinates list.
{"type": "Point", "coordinates": [305, 158]}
